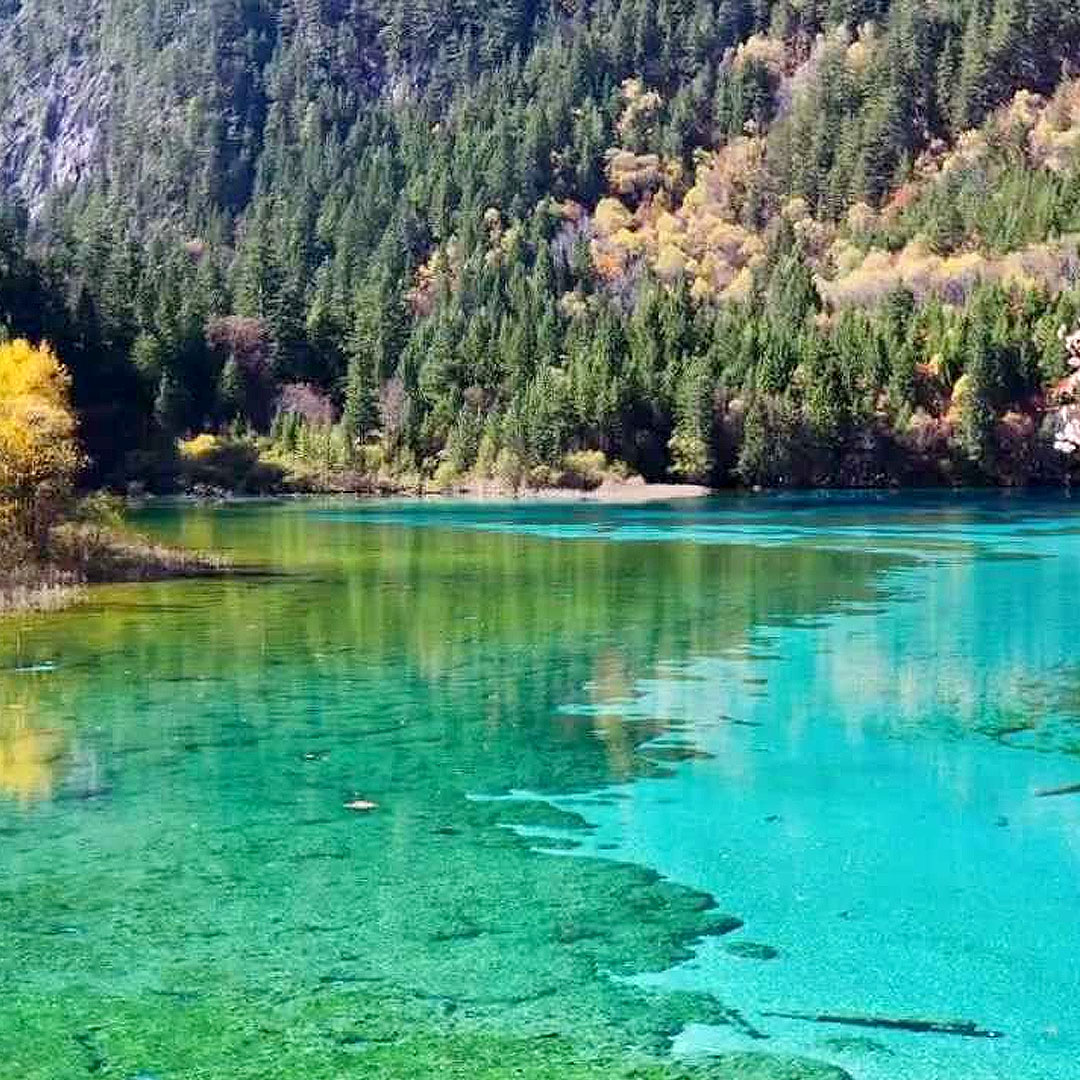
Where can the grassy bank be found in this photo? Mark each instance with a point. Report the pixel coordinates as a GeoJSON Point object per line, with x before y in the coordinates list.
{"type": "Point", "coordinates": [37, 587]}
{"type": "Point", "coordinates": [82, 553]}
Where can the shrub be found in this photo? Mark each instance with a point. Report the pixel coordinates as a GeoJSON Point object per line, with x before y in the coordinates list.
{"type": "Point", "coordinates": [224, 464]}
{"type": "Point", "coordinates": [584, 469]}
{"type": "Point", "coordinates": [509, 469]}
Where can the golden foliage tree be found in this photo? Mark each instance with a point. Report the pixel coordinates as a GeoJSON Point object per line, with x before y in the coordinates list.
{"type": "Point", "coordinates": [39, 451]}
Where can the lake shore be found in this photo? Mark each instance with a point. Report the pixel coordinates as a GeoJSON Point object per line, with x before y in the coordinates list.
{"type": "Point", "coordinates": [611, 491]}
{"type": "Point", "coordinates": [79, 556]}
{"type": "Point", "coordinates": [628, 492]}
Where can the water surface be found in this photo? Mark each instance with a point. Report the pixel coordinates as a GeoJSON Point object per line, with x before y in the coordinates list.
{"type": "Point", "coordinates": [594, 734]}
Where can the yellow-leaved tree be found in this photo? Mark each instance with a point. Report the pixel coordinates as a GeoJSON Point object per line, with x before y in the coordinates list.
{"type": "Point", "coordinates": [39, 450]}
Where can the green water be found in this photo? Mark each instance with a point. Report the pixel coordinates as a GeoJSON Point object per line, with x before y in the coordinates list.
{"type": "Point", "coordinates": [564, 715]}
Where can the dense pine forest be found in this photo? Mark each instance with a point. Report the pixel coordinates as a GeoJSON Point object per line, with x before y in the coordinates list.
{"type": "Point", "coordinates": [732, 241]}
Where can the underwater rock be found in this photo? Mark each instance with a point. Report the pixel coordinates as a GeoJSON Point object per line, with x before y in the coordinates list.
{"type": "Point", "coordinates": [858, 1044]}
{"type": "Point", "coordinates": [756, 1066]}
{"type": "Point", "coordinates": [466, 931]}
{"type": "Point", "coordinates": [558, 843]}
{"type": "Point", "coordinates": [570, 934]}
{"type": "Point", "coordinates": [536, 814]}
{"type": "Point", "coordinates": [726, 924]}
{"type": "Point", "coordinates": [752, 950]}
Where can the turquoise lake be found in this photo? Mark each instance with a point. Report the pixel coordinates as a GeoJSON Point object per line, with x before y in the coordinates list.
{"type": "Point", "coordinates": [727, 784]}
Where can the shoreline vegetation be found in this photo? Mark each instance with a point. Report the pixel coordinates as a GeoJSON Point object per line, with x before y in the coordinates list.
{"type": "Point", "coordinates": [55, 545]}
{"type": "Point", "coordinates": [310, 447]}
{"type": "Point", "coordinates": [52, 543]}
{"type": "Point", "coordinates": [81, 554]}
{"type": "Point", "coordinates": [226, 466]}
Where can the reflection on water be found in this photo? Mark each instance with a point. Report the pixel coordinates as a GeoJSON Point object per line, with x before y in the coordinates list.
{"type": "Point", "coordinates": [29, 753]}
{"type": "Point", "coordinates": [866, 673]}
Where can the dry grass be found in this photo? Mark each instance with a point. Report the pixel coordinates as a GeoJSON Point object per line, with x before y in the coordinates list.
{"type": "Point", "coordinates": [82, 554]}
{"type": "Point", "coordinates": [34, 588]}
{"type": "Point", "coordinates": [98, 554]}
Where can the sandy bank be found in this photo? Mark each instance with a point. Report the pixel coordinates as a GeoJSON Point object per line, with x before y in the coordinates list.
{"type": "Point", "coordinates": [627, 493]}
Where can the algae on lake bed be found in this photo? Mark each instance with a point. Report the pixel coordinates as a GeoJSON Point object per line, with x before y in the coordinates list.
{"type": "Point", "coordinates": [279, 1034]}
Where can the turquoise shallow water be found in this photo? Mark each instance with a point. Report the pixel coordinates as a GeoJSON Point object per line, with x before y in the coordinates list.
{"type": "Point", "coordinates": [831, 714]}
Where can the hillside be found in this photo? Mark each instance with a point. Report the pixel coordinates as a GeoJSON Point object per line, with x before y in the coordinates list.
{"type": "Point", "coordinates": [756, 241]}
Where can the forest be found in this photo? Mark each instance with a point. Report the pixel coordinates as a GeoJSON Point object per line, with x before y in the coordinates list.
{"type": "Point", "coordinates": [754, 242]}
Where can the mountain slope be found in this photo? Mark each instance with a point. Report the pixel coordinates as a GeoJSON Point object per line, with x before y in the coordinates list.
{"type": "Point", "coordinates": [717, 238]}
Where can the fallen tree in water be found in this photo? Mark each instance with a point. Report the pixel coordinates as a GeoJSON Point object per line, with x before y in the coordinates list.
{"type": "Point", "coordinates": [966, 1028]}
{"type": "Point", "coordinates": [1068, 789]}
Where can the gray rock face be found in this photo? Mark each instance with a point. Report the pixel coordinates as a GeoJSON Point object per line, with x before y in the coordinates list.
{"type": "Point", "coordinates": [54, 105]}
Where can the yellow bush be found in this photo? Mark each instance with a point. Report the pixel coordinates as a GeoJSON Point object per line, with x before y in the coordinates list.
{"type": "Point", "coordinates": [961, 400]}
{"type": "Point", "coordinates": [226, 464]}
{"type": "Point", "coordinates": [198, 447]}
{"type": "Point", "coordinates": [447, 475]}
{"type": "Point", "coordinates": [670, 262]}
{"type": "Point", "coordinates": [584, 468]}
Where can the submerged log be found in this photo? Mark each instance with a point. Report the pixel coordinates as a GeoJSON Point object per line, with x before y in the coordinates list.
{"type": "Point", "coordinates": [1069, 789]}
{"type": "Point", "coordinates": [966, 1028]}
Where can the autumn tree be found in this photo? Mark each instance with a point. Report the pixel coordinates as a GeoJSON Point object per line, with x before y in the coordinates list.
{"type": "Point", "coordinates": [39, 452]}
